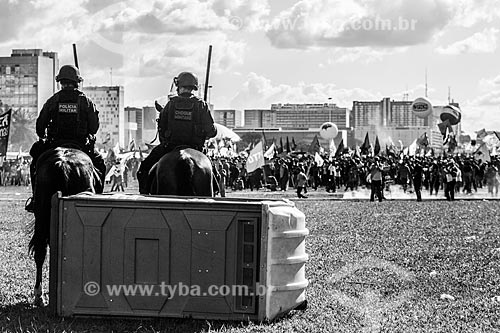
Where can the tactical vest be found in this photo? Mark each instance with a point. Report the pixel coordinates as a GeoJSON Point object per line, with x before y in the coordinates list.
{"type": "Point", "coordinates": [184, 121]}
{"type": "Point", "coordinates": [69, 118]}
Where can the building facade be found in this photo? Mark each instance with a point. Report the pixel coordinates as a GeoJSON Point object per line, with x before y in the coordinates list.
{"type": "Point", "coordinates": [131, 125]}
{"type": "Point", "coordinates": [229, 118]}
{"type": "Point", "coordinates": [303, 116]}
{"type": "Point", "coordinates": [27, 79]}
{"type": "Point", "coordinates": [109, 101]}
{"type": "Point", "coordinates": [149, 125]}
{"type": "Point", "coordinates": [394, 121]}
{"type": "Point", "coordinates": [259, 118]}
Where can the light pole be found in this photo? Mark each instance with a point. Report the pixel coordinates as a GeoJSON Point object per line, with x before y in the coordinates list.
{"type": "Point", "coordinates": [209, 93]}
{"type": "Point", "coordinates": [329, 110]}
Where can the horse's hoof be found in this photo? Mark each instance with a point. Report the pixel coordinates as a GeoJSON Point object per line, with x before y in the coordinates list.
{"type": "Point", "coordinates": [39, 302]}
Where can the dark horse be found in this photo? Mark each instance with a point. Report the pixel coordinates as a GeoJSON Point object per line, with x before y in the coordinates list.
{"type": "Point", "coordinates": [67, 170]}
{"type": "Point", "coordinates": [183, 171]}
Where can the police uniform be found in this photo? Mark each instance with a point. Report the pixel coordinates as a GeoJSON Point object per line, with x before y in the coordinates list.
{"type": "Point", "coordinates": [68, 117]}
{"type": "Point", "coordinates": [184, 121]}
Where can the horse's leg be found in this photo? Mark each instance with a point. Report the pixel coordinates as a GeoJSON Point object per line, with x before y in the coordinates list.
{"type": "Point", "coordinates": [40, 253]}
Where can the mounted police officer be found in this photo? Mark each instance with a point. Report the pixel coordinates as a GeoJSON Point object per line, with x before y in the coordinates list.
{"type": "Point", "coordinates": [184, 121]}
{"type": "Point", "coordinates": [68, 118]}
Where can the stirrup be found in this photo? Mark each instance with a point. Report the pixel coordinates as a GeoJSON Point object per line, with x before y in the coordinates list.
{"type": "Point", "coordinates": [30, 205]}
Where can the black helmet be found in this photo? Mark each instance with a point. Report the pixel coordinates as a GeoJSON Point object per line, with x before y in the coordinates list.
{"type": "Point", "coordinates": [69, 72]}
{"type": "Point", "coordinates": [187, 79]}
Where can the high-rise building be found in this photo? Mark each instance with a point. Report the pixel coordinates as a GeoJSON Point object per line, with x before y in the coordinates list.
{"type": "Point", "coordinates": [27, 79]}
{"type": "Point", "coordinates": [303, 116]}
{"type": "Point", "coordinates": [394, 121]}
{"type": "Point", "coordinates": [385, 113]}
{"type": "Point", "coordinates": [229, 118]}
{"type": "Point", "coordinates": [149, 125]}
{"type": "Point", "coordinates": [132, 132]}
{"type": "Point", "coordinates": [109, 102]}
{"type": "Point", "coordinates": [259, 118]}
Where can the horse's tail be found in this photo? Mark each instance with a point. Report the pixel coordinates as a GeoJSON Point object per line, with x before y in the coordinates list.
{"type": "Point", "coordinates": [185, 171]}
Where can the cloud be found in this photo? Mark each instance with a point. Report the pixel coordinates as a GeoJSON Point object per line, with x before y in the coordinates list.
{"type": "Point", "coordinates": [354, 23]}
{"type": "Point", "coordinates": [484, 110]}
{"type": "Point", "coordinates": [492, 98]}
{"type": "Point", "coordinates": [259, 92]}
{"type": "Point", "coordinates": [490, 88]}
{"type": "Point", "coordinates": [15, 15]}
{"type": "Point", "coordinates": [471, 12]}
{"type": "Point", "coordinates": [364, 55]}
{"type": "Point", "coordinates": [182, 16]}
{"type": "Point", "coordinates": [475, 117]}
{"type": "Point", "coordinates": [480, 42]}
{"type": "Point", "coordinates": [93, 6]}
{"type": "Point", "coordinates": [166, 55]}
{"type": "Point", "coordinates": [248, 14]}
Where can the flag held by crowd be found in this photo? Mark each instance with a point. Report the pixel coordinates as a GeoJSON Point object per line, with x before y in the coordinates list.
{"type": "Point", "coordinates": [445, 128]}
{"type": "Point", "coordinates": [497, 135]}
{"type": "Point", "coordinates": [318, 159]}
{"type": "Point", "coordinates": [315, 147]}
{"type": "Point", "coordinates": [4, 131]}
{"type": "Point", "coordinates": [376, 148]}
{"type": "Point", "coordinates": [412, 149]}
{"type": "Point", "coordinates": [423, 140]}
{"type": "Point", "coordinates": [269, 154]}
{"type": "Point", "coordinates": [481, 134]}
{"type": "Point", "coordinates": [390, 148]}
{"type": "Point", "coordinates": [365, 147]}
{"type": "Point", "coordinates": [340, 149]}
{"type": "Point", "coordinates": [483, 153]}
{"type": "Point", "coordinates": [255, 158]}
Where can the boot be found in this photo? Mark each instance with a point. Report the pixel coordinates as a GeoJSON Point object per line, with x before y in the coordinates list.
{"type": "Point", "coordinates": [29, 206]}
{"type": "Point", "coordinates": [142, 179]}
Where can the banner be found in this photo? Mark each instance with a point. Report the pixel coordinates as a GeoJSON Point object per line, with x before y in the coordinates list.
{"type": "Point", "coordinates": [255, 158]}
{"type": "Point", "coordinates": [4, 132]}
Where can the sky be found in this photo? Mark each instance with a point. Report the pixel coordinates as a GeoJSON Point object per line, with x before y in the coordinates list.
{"type": "Point", "coordinates": [276, 51]}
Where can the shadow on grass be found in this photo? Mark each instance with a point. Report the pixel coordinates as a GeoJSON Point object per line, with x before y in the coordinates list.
{"type": "Point", "coordinates": [23, 317]}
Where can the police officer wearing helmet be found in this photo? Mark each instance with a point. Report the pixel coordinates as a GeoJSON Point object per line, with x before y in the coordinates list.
{"type": "Point", "coordinates": [184, 121]}
{"type": "Point", "coordinates": [68, 117]}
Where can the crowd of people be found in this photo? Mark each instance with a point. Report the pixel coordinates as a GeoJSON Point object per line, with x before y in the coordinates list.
{"type": "Point", "coordinates": [302, 171]}
{"type": "Point", "coordinates": [15, 172]}
{"type": "Point", "coordinates": [435, 174]}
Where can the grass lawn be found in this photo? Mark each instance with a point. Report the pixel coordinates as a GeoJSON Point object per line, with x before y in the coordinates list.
{"type": "Point", "coordinates": [396, 266]}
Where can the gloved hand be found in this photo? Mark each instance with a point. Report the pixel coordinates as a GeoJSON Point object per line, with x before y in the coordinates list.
{"type": "Point", "coordinates": [158, 107]}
